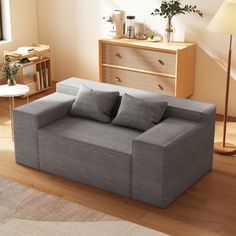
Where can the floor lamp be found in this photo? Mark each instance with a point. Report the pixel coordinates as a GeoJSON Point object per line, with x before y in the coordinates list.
{"type": "Point", "coordinates": [224, 22]}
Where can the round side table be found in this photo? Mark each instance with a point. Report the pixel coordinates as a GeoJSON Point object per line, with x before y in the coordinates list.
{"type": "Point", "coordinates": [11, 92]}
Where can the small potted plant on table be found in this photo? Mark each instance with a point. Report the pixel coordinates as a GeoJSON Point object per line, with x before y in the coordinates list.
{"type": "Point", "coordinates": [171, 8]}
{"type": "Point", "coordinates": [9, 70]}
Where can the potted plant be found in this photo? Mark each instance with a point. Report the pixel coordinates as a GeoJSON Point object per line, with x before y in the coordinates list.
{"type": "Point", "coordinates": [171, 8]}
{"type": "Point", "coordinates": [9, 70]}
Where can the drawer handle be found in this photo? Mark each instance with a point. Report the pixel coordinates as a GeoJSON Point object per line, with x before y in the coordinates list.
{"type": "Point", "coordinates": [160, 87]}
{"type": "Point", "coordinates": [161, 62]}
{"type": "Point", "coordinates": [117, 79]}
{"type": "Point", "coordinates": [118, 55]}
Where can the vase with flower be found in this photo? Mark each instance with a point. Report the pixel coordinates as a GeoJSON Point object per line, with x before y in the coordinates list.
{"type": "Point", "coordinates": [171, 8]}
{"type": "Point", "coordinates": [9, 70]}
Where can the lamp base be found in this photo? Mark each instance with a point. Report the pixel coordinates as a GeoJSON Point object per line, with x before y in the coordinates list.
{"type": "Point", "coordinates": [229, 149]}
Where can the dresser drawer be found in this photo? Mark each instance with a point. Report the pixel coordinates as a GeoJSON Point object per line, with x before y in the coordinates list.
{"type": "Point", "coordinates": [163, 85]}
{"type": "Point", "coordinates": [139, 59]}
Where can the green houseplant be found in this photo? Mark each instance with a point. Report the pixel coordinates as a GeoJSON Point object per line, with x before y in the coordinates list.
{"type": "Point", "coordinates": [171, 8]}
{"type": "Point", "coordinates": [9, 70]}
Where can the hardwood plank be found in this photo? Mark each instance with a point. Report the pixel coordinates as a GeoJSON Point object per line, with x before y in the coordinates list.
{"type": "Point", "coordinates": [174, 227]}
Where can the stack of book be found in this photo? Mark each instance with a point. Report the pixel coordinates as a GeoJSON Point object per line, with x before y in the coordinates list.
{"type": "Point", "coordinates": [37, 78]}
{"type": "Point", "coordinates": [41, 76]}
{"type": "Point", "coordinates": [25, 50]}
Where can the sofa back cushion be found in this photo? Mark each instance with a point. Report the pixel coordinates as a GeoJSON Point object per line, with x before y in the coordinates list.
{"type": "Point", "coordinates": [94, 104]}
{"type": "Point", "coordinates": [139, 114]}
{"type": "Point", "coordinates": [177, 107]}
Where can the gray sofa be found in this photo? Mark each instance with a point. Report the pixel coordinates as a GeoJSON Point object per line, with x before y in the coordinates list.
{"type": "Point", "coordinates": [154, 167]}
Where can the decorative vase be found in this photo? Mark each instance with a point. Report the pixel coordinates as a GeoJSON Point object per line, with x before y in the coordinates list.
{"type": "Point", "coordinates": [11, 81]}
{"type": "Point", "coordinates": [169, 34]}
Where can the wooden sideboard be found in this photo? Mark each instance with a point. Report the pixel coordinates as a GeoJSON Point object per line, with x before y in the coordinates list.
{"type": "Point", "coordinates": [167, 69]}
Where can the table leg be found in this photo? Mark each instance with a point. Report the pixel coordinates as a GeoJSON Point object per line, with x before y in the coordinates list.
{"type": "Point", "coordinates": [10, 113]}
{"type": "Point", "coordinates": [11, 104]}
{"type": "Point", "coordinates": [27, 97]}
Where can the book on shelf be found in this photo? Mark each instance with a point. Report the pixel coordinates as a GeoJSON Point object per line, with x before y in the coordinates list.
{"type": "Point", "coordinates": [42, 80]}
{"type": "Point", "coordinates": [37, 78]}
{"type": "Point", "coordinates": [32, 59]}
{"type": "Point", "coordinates": [25, 50]}
{"type": "Point", "coordinates": [46, 78]}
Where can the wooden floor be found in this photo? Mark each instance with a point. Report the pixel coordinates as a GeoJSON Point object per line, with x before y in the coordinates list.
{"type": "Point", "coordinates": [207, 208]}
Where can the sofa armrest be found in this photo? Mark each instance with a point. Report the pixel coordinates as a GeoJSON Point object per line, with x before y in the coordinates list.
{"type": "Point", "coordinates": [29, 118]}
{"type": "Point", "coordinates": [43, 111]}
{"type": "Point", "coordinates": [169, 158]}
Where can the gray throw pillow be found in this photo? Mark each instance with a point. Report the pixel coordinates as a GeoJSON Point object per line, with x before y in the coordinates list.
{"type": "Point", "coordinates": [94, 104]}
{"type": "Point", "coordinates": [139, 114]}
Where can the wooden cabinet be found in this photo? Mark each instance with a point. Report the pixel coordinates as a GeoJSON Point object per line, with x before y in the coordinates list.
{"type": "Point", "coordinates": [36, 74]}
{"type": "Point", "coordinates": [167, 69]}
{"type": "Point", "coordinates": [36, 71]}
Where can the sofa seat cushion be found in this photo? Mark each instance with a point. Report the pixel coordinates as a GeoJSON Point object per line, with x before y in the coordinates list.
{"type": "Point", "coordinates": [88, 151]}
{"type": "Point", "coordinates": [107, 136]}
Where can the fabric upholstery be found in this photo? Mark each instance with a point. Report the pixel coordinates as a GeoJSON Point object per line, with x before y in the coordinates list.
{"type": "Point", "coordinates": [89, 152]}
{"type": "Point", "coordinates": [94, 104]}
{"type": "Point", "coordinates": [95, 133]}
{"type": "Point", "coordinates": [26, 145]}
{"type": "Point", "coordinates": [168, 159]}
{"type": "Point", "coordinates": [154, 167]}
{"type": "Point", "coordinates": [177, 107]}
{"type": "Point", "coordinates": [44, 110]}
{"type": "Point", "coordinates": [139, 114]}
{"type": "Point", "coordinates": [27, 120]}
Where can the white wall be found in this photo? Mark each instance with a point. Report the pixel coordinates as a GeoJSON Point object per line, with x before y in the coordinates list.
{"type": "Point", "coordinates": [72, 28]}
{"type": "Point", "coordinates": [24, 26]}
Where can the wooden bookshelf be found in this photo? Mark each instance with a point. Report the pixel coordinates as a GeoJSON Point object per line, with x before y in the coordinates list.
{"type": "Point", "coordinates": [37, 72]}
{"type": "Point", "coordinates": [37, 50]}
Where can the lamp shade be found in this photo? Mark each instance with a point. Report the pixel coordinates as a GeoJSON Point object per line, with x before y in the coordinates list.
{"type": "Point", "coordinates": [224, 21]}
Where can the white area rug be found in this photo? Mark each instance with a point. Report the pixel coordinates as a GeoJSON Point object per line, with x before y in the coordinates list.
{"type": "Point", "coordinates": [119, 228]}
{"type": "Point", "coordinates": [28, 212]}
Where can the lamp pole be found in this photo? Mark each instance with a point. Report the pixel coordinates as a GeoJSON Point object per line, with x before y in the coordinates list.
{"type": "Point", "coordinates": [227, 90]}
{"type": "Point", "coordinates": [226, 148]}
{"type": "Point", "coordinates": [224, 22]}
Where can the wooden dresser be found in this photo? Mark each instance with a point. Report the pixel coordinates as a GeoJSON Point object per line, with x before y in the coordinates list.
{"type": "Point", "coordinates": [167, 69]}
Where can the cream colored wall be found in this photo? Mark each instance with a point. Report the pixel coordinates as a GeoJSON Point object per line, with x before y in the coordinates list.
{"type": "Point", "coordinates": [24, 26]}
{"type": "Point", "coordinates": [72, 28]}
